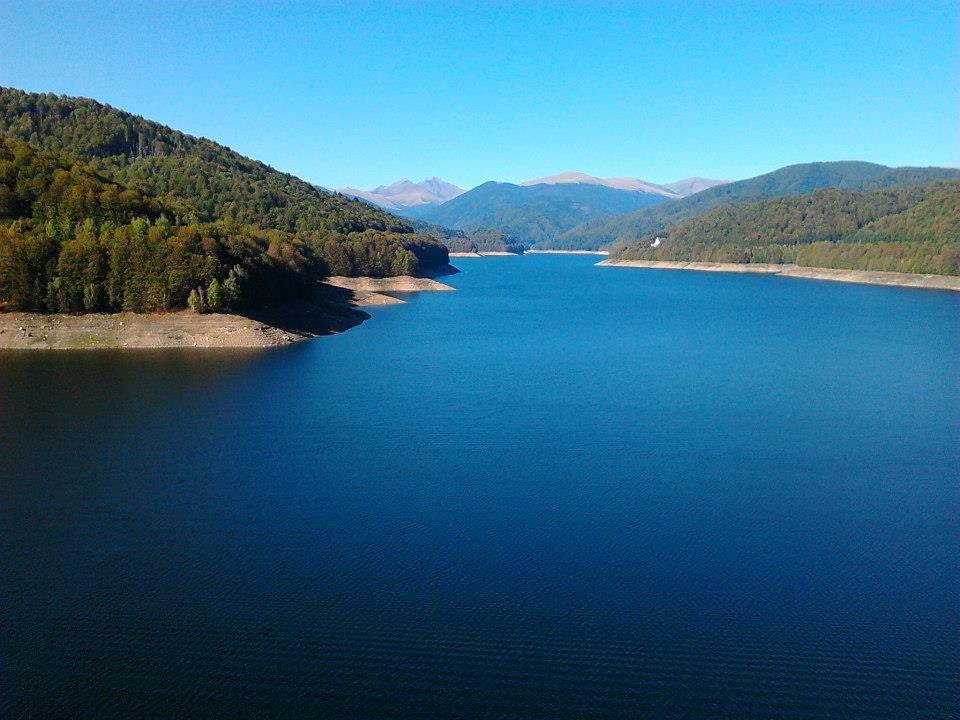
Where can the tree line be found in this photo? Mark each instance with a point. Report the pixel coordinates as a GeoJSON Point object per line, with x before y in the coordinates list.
{"type": "Point", "coordinates": [801, 179]}
{"type": "Point", "coordinates": [200, 183]}
{"type": "Point", "coordinates": [902, 229]}
{"type": "Point", "coordinates": [484, 239]}
{"type": "Point", "coordinates": [72, 240]}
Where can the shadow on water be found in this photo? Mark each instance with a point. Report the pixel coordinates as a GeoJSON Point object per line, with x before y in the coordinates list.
{"type": "Point", "coordinates": [328, 312]}
{"type": "Point", "coordinates": [441, 271]}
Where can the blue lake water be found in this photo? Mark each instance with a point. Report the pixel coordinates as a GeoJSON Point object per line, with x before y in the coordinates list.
{"type": "Point", "coordinates": [562, 491]}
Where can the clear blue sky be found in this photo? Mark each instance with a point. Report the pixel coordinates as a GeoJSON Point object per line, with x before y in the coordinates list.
{"type": "Point", "coordinates": [362, 93]}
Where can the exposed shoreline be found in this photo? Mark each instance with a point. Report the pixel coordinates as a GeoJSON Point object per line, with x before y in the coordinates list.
{"type": "Point", "coordinates": [183, 329]}
{"type": "Point", "coordinates": [498, 253]}
{"type": "Point", "coordinates": [367, 291]}
{"type": "Point", "coordinates": [861, 277]}
{"type": "Point", "coordinates": [333, 310]}
{"type": "Point", "coordinates": [483, 253]}
{"type": "Point", "coordinates": [567, 252]}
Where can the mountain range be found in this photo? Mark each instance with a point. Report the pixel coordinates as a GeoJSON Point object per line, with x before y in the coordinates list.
{"type": "Point", "coordinates": [531, 213]}
{"type": "Point", "coordinates": [615, 232]}
{"type": "Point", "coordinates": [692, 185]}
{"type": "Point", "coordinates": [901, 228]}
{"type": "Point", "coordinates": [405, 194]}
{"type": "Point", "coordinates": [576, 211]}
{"type": "Point", "coordinates": [534, 215]}
{"type": "Point", "coordinates": [104, 210]}
{"type": "Point", "coordinates": [680, 188]}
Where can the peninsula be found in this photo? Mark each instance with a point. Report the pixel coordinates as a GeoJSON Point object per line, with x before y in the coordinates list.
{"type": "Point", "coordinates": [334, 307]}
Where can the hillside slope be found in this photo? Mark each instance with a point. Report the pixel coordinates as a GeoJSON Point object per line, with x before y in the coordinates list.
{"type": "Point", "coordinates": [462, 241]}
{"type": "Point", "coordinates": [617, 183]}
{"type": "Point", "coordinates": [206, 181]}
{"type": "Point", "coordinates": [404, 194]}
{"type": "Point", "coordinates": [791, 180]}
{"type": "Point", "coordinates": [74, 241]}
{"type": "Point", "coordinates": [692, 185]}
{"type": "Point", "coordinates": [901, 229]}
{"type": "Point", "coordinates": [534, 215]}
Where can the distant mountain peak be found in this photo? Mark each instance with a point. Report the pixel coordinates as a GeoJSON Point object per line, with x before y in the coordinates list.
{"type": "Point", "coordinates": [692, 185]}
{"type": "Point", "coordinates": [406, 194]}
{"type": "Point", "coordinates": [618, 183]}
{"type": "Point", "coordinates": [570, 176]}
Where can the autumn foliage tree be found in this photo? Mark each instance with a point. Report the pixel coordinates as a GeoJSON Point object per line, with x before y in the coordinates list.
{"type": "Point", "coordinates": [72, 240]}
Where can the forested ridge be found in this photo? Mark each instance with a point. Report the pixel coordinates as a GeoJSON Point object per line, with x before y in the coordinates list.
{"type": "Point", "coordinates": [483, 240]}
{"type": "Point", "coordinates": [201, 183]}
{"type": "Point", "coordinates": [901, 229]}
{"type": "Point", "coordinates": [496, 240]}
{"type": "Point", "coordinates": [72, 240]}
{"type": "Point", "coordinates": [791, 180]}
{"type": "Point", "coordinates": [532, 215]}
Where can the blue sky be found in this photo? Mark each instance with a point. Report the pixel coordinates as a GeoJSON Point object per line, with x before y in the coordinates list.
{"type": "Point", "coordinates": [363, 93]}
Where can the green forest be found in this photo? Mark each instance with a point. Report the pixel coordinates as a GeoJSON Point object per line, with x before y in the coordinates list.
{"type": "Point", "coordinates": [486, 239]}
{"type": "Point", "coordinates": [533, 215]}
{"type": "Point", "coordinates": [239, 211]}
{"type": "Point", "coordinates": [802, 179]}
{"type": "Point", "coordinates": [72, 240]}
{"type": "Point", "coordinates": [900, 229]}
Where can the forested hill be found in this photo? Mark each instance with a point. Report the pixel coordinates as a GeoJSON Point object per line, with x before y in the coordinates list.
{"type": "Point", "coordinates": [206, 181]}
{"type": "Point", "coordinates": [901, 229]}
{"type": "Point", "coordinates": [533, 215]}
{"type": "Point", "coordinates": [484, 240]}
{"type": "Point", "coordinates": [791, 180]}
{"type": "Point", "coordinates": [74, 241]}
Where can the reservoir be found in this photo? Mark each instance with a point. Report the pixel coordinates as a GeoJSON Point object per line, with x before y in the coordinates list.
{"type": "Point", "coordinates": [561, 491]}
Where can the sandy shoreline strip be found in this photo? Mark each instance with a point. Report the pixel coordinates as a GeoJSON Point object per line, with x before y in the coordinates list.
{"type": "Point", "coordinates": [332, 311]}
{"type": "Point", "coordinates": [861, 277]}
{"type": "Point", "coordinates": [375, 286]}
{"type": "Point", "coordinates": [183, 329]}
{"type": "Point", "coordinates": [483, 253]}
{"type": "Point", "coordinates": [567, 252]}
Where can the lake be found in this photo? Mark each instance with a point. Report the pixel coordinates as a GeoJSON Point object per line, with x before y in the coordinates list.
{"type": "Point", "coordinates": [562, 491]}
